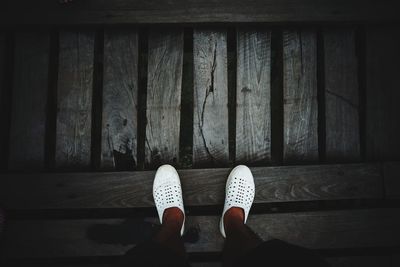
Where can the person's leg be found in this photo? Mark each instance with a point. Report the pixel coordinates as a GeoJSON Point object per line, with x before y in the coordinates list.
{"type": "Point", "coordinates": [169, 235]}
{"type": "Point", "coordinates": [239, 196]}
{"type": "Point", "coordinates": [278, 253]}
{"type": "Point", "coordinates": [240, 239]}
{"type": "Point", "coordinates": [166, 248]}
{"type": "Point", "coordinates": [242, 246]}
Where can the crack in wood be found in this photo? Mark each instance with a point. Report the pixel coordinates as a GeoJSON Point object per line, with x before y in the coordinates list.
{"type": "Point", "coordinates": [148, 146]}
{"type": "Point", "coordinates": [210, 89]}
{"type": "Point", "coordinates": [301, 52]}
{"type": "Point", "coordinates": [347, 101]}
{"type": "Point", "coordinates": [110, 144]}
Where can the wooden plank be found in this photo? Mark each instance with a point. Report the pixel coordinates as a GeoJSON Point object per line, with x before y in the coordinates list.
{"type": "Point", "coordinates": [253, 96]}
{"type": "Point", "coordinates": [391, 178]}
{"type": "Point", "coordinates": [133, 189]}
{"type": "Point", "coordinates": [29, 101]}
{"type": "Point", "coordinates": [382, 108]}
{"type": "Point", "coordinates": [108, 237]}
{"type": "Point", "coordinates": [341, 96]}
{"type": "Point", "coordinates": [74, 99]}
{"type": "Point", "coordinates": [120, 99]}
{"type": "Point", "coordinates": [300, 96]}
{"type": "Point", "coordinates": [164, 86]}
{"type": "Point", "coordinates": [210, 79]}
{"type": "Point", "coordinates": [181, 11]}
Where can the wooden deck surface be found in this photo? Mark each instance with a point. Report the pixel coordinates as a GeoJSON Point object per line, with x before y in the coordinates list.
{"type": "Point", "coordinates": [327, 107]}
{"type": "Point", "coordinates": [90, 113]}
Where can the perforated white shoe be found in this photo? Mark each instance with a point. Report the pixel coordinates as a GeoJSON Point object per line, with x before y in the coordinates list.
{"type": "Point", "coordinates": [167, 192]}
{"type": "Point", "coordinates": [239, 192]}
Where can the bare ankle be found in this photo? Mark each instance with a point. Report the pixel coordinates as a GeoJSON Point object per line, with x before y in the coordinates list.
{"type": "Point", "coordinates": [233, 217]}
{"type": "Point", "coordinates": [173, 217]}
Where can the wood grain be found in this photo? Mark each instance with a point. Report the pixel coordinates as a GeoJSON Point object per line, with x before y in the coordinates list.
{"type": "Point", "coordinates": [29, 101]}
{"type": "Point", "coordinates": [210, 79]}
{"type": "Point", "coordinates": [253, 96]}
{"type": "Point", "coordinates": [368, 228]}
{"type": "Point", "coordinates": [341, 96]}
{"type": "Point", "coordinates": [133, 189]}
{"type": "Point", "coordinates": [74, 99]}
{"type": "Point", "coordinates": [181, 11]}
{"type": "Point", "coordinates": [164, 86]}
{"type": "Point", "coordinates": [300, 105]}
{"type": "Point", "coordinates": [120, 99]}
{"type": "Point", "coordinates": [382, 108]}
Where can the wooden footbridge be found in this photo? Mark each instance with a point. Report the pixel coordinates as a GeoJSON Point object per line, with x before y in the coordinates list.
{"type": "Point", "coordinates": [95, 95]}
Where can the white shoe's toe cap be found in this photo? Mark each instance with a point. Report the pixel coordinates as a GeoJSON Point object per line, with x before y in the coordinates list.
{"type": "Point", "coordinates": [164, 173]}
{"type": "Point", "coordinates": [242, 170]}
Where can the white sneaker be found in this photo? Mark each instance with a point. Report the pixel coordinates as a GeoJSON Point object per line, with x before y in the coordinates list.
{"type": "Point", "coordinates": [239, 192]}
{"type": "Point", "coordinates": [167, 192]}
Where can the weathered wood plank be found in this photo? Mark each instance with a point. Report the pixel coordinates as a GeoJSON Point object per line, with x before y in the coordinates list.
{"type": "Point", "coordinates": [120, 99]}
{"type": "Point", "coordinates": [74, 99]}
{"type": "Point", "coordinates": [108, 237]}
{"type": "Point", "coordinates": [382, 108]}
{"type": "Point", "coordinates": [164, 86]}
{"type": "Point", "coordinates": [300, 105]}
{"type": "Point", "coordinates": [181, 11]}
{"type": "Point", "coordinates": [391, 173]}
{"type": "Point", "coordinates": [253, 96]}
{"type": "Point", "coordinates": [210, 79]}
{"type": "Point", "coordinates": [341, 96]}
{"type": "Point", "coordinates": [29, 101]}
{"type": "Point", "coordinates": [133, 189]}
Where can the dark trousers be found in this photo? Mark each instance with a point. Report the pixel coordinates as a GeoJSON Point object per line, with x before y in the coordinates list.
{"type": "Point", "coordinates": [273, 253]}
